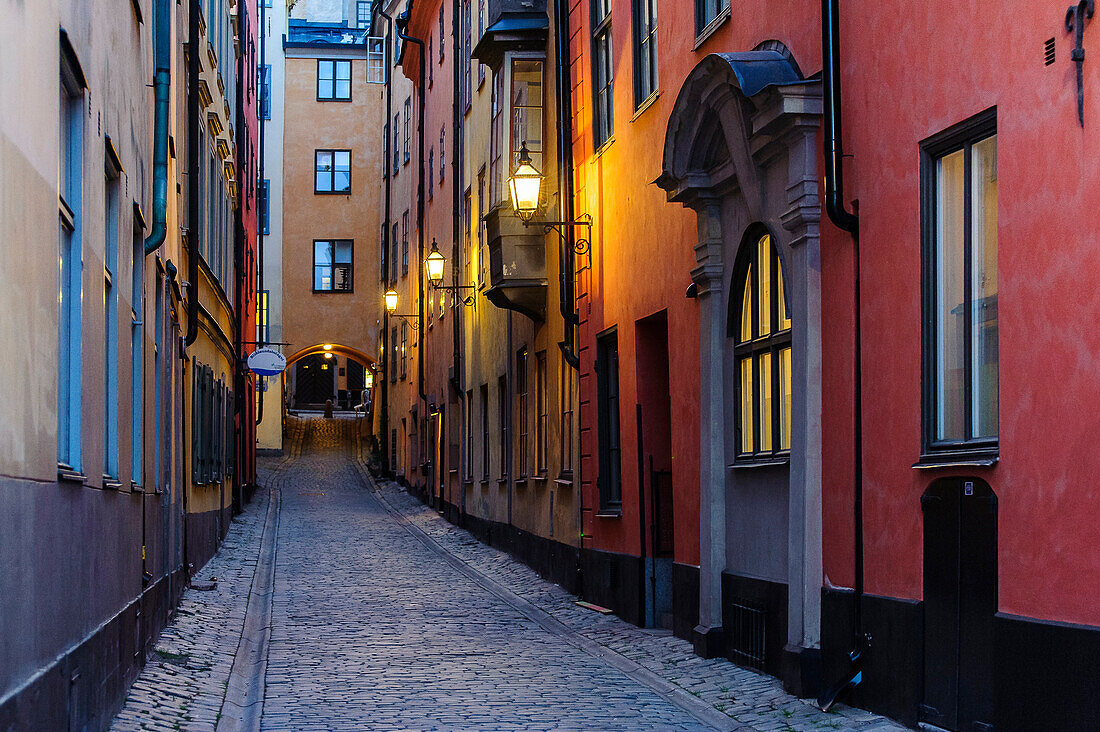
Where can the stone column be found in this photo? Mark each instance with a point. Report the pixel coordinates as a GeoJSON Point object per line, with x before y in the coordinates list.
{"type": "Point", "coordinates": [708, 636]}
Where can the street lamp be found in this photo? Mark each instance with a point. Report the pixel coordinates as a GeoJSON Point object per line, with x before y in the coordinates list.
{"type": "Point", "coordinates": [368, 378]}
{"type": "Point", "coordinates": [434, 264]}
{"type": "Point", "coordinates": [525, 185]}
{"type": "Point", "coordinates": [391, 301]}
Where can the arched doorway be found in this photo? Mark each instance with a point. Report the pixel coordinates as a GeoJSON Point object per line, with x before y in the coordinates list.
{"type": "Point", "coordinates": [329, 371]}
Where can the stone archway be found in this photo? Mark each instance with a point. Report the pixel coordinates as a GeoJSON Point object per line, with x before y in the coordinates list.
{"type": "Point", "coordinates": [741, 150]}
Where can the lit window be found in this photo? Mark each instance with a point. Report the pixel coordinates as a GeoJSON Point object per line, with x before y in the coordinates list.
{"type": "Point", "coordinates": [760, 324]}
{"type": "Point", "coordinates": [961, 357]}
{"type": "Point", "coordinates": [526, 110]}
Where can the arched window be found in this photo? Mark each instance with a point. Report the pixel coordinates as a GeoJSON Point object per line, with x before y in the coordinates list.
{"type": "Point", "coordinates": [760, 323]}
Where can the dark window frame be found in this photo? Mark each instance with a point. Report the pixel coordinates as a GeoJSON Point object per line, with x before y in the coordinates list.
{"type": "Point", "coordinates": [962, 136]}
{"type": "Point", "coordinates": [645, 51]}
{"type": "Point", "coordinates": [522, 414]}
{"type": "Point", "coordinates": [332, 266]}
{"type": "Point", "coordinates": [603, 128]}
{"type": "Point", "coordinates": [336, 63]}
{"type": "Point", "coordinates": [773, 344]}
{"type": "Point", "coordinates": [709, 14]}
{"type": "Point", "coordinates": [486, 468]}
{"type": "Point", "coordinates": [609, 423]}
{"type": "Point", "coordinates": [331, 173]}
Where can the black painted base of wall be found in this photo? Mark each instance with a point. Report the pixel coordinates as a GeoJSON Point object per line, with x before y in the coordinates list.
{"type": "Point", "coordinates": [204, 535]}
{"type": "Point", "coordinates": [1046, 675]}
{"type": "Point", "coordinates": [771, 597]}
{"type": "Point", "coordinates": [609, 579]}
{"type": "Point", "coordinates": [86, 687]}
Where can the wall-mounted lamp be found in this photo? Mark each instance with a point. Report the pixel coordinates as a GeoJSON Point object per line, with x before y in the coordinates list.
{"type": "Point", "coordinates": [525, 186]}
{"type": "Point", "coordinates": [390, 299]}
{"type": "Point", "coordinates": [327, 346]}
{"type": "Point", "coordinates": [435, 263]}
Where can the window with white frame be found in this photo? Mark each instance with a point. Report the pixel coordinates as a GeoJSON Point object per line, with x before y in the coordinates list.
{"type": "Point", "coordinates": [362, 14]}
{"type": "Point", "coordinates": [376, 60]}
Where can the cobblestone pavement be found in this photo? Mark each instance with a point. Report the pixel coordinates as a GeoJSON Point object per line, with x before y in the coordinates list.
{"type": "Point", "coordinates": [184, 680]}
{"type": "Point", "coordinates": [385, 616]}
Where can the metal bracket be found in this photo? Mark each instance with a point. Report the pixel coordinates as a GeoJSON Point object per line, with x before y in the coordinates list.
{"type": "Point", "coordinates": [581, 245]}
{"type": "Point", "coordinates": [1076, 15]}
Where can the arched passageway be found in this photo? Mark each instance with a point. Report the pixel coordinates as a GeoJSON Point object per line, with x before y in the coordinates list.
{"type": "Point", "coordinates": [328, 371]}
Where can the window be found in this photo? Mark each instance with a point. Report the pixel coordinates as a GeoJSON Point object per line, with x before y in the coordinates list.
{"type": "Point", "coordinates": [482, 230]}
{"type": "Point", "coordinates": [404, 349]}
{"type": "Point", "coordinates": [467, 58]}
{"type": "Point", "coordinates": [385, 140]}
{"type": "Point", "coordinates": [408, 122]}
{"type": "Point", "coordinates": [333, 171]}
{"type": "Point", "coordinates": [431, 67]}
{"type": "Point", "coordinates": [265, 93]}
{"type": "Point", "coordinates": [526, 110]}
{"type": "Point", "coordinates": [442, 153]}
{"type": "Point", "coordinates": [480, 33]}
{"type": "Point", "coordinates": [522, 415]}
{"type": "Point", "coordinates": [540, 412]}
{"type": "Point", "coordinates": [760, 323]}
{"type": "Point", "coordinates": [707, 12]}
{"type": "Point", "coordinates": [645, 50]}
{"type": "Point", "coordinates": [566, 424]}
{"type": "Point", "coordinates": [333, 81]}
{"type": "Point", "coordinates": [502, 424]}
{"type": "Point", "coordinates": [442, 34]}
{"type": "Point", "coordinates": [431, 172]}
{"type": "Point", "coordinates": [485, 432]}
{"type": "Point", "coordinates": [394, 355]}
{"type": "Point", "coordinates": [404, 244]}
{"type": "Point", "coordinates": [396, 143]}
{"type": "Point", "coordinates": [362, 14]}
{"type": "Point", "coordinates": [467, 215]}
{"type": "Point", "coordinates": [603, 73]}
{"type": "Point", "coordinates": [393, 253]}
{"type": "Point", "coordinates": [332, 266]}
{"type": "Point", "coordinates": [959, 222]}
{"type": "Point", "coordinates": [137, 353]}
{"type": "Point", "coordinates": [71, 266]}
{"type": "Point", "coordinates": [607, 396]}
{"type": "Point", "coordinates": [376, 59]}
{"type": "Point", "coordinates": [263, 331]}
{"type": "Point", "coordinates": [496, 143]}
{"type": "Point", "coordinates": [468, 439]}
{"type": "Point", "coordinates": [265, 205]}
{"type": "Point", "coordinates": [383, 246]}
{"type": "Point", "coordinates": [110, 323]}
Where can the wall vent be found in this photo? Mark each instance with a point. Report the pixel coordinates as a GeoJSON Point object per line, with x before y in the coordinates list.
{"type": "Point", "coordinates": [1048, 52]}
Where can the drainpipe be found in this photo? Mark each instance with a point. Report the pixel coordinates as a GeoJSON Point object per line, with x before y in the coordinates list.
{"type": "Point", "coordinates": [567, 296]}
{"type": "Point", "coordinates": [384, 421]}
{"type": "Point", "coordinates": [401, 25]}
{"type": "Point", "coordinates": [849, 222]}
{"type": "Point", "coordinates": [162, 81]}
{"type": "Point", "coordinates": [194, 170]}
{"type": "Point", "coordinates": [262, 208]}
{"type": "Point", "coordinates": [457, 188]}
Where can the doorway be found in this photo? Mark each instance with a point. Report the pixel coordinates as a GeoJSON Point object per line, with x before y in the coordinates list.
{"type": "Point", "coordinates": [655, 467]}
{"type": "Point", "coordinates": [960, 600]}
{"type": "Point", "coordinates": [314, 381]}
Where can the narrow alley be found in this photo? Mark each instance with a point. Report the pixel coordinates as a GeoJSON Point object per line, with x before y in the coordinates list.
{"type": "Point", "coordinates": [386, 617]}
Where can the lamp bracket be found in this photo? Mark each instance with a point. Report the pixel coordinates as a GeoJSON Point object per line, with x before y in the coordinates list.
{"type": "Point", "coordinates": [412, 320]}
{"type": "Point", "coordinates": [581, 245]}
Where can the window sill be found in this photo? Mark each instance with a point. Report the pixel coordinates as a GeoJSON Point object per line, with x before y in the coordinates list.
{"type": "Point", "coordinates": [604, 146]}
{"type": "Point", "coordinates": [564, 481]}
{"type": "Point", "coordinates": [484, 482]}
{"type": "Point", "coordinates": [502, 481]}
{"type": "Point", "coordinates": [610, 513]}
{"type": "Point", "coordinates": [960, 459]}
{"type": "Point", "coordinates": [705, 34]}
{"type": "Point", "coordinates": [521, 481]}
{"type": "Point", "coordinates": [646, 104]}
{"type": "Point", "coordinates": [748, 464]}
{"type": "Point", "coordinates": [65, 474]}
{"type": "Point", "coordinates": [540, 479]}
{"type": "Point", "coordinates": [110, 483]}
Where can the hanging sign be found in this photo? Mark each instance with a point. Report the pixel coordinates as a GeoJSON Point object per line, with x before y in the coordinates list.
{"type": "Point", "coordinates": [266, 362]}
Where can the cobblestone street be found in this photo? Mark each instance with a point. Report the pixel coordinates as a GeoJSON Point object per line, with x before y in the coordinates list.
{"type": "Point", "coordinates": [384, 616]}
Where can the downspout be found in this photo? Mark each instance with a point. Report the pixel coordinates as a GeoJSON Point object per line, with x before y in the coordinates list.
{"type": "Point", "coordinates": [457, 188]}
{"type": "Point", "coordinates": [194, 170]}
{"type": "Point", "coordinates": [162, 82]}
{"type": "Point", "coordinates": [242, 277]}
{"type": "Point", "coordinates": [262, 209]}
{"type": "Point", "coordinates": [384, 421]}
{"type": "Point", "coordinates": [849, 222]}
{"type": "Point", "coordinates": [567, 296]}
{"type": "Point", "coordinates": [401, 25]}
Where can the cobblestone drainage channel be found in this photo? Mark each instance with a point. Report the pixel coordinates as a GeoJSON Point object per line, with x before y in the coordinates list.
{"type": "Point", "coordinates": [243, 705]}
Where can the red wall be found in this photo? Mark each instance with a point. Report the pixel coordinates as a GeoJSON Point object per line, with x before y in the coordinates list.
{"type": "Point", "coordinates": [910, 72]}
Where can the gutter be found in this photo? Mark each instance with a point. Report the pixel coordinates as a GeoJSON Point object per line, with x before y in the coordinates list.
{"type": "Point", "coordinates": [401, 25]}
{"type": "Point", "coordinates": [567, 295]}
{"type": "Point", "coordinates": [264, 197]}
{"type": "Point", "coordinates": [162, 81]}
{"type": "Point", "coordinates": [384, 420]}
{"type": "Point", "coordinates": [194, 168]}
{"type": "Point", "coordinates": [849, 222]}
{"type": "Point", "coordinates": [457, 188]}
